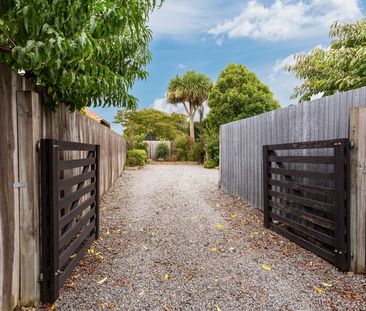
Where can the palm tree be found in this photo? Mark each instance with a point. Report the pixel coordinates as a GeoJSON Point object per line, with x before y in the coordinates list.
{"type": "Point", "coordinates": [191, 90]}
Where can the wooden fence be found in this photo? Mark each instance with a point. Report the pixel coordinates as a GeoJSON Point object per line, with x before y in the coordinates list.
{"type": "Point", "coordinates": [241, 164]}
{"type": "Point", "coordinates": [152, 149]}
{"type": "Point", "coordinates": [23, 122]}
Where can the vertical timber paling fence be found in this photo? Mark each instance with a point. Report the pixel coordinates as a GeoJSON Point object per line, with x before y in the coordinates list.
{"type": "Point", "coordinates": [24, 121]}
{"type": "Point", "coordinates": [70, 210]}
{"type": "Point", "coordinates": [328, 118]}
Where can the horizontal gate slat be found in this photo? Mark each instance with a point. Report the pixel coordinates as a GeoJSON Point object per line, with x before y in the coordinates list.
{"type": "Point", "coordinates": [328, 224]}
{"type": "Point", "coordinates": [316, 175]}
{"type": "Point", "coordinates": [307, 230]}
{"type": "Point", "coordinates": [67, 236]}
{"type": "Point", "coordinates": [76, 195]}
{"type": "Point", "coordinates": [303, 159]}
{"type": "Point", "coordinates": [75, 261]}
{"type": "Point", "coordinates": [325, 207]}
{"type": "Point", "coordinates": [304, 243]}
{"type": "Point", "coordinates": [69, 164]}
{"type": "Point", "coordinates": [64, 257]}
{"type": "Point", "coordinates": [68, 145]}
{"type": "Point", "coordinates": [307, 145]}
{"type": "Point", "coordinates": [298, 186]}
{"type": "Point", "coordinates": [69, 182]}
{"type": "Point", "coordinates": [76, 211]}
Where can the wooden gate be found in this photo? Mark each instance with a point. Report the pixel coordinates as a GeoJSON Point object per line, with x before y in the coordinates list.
{"type": "Point", "coordinates": [69, 210]}
{"type": "Point", "coordinates": [305, 196]}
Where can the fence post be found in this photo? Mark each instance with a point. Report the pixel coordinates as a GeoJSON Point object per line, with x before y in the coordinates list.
{"type": "Point", "coordinates": [358, 190]}
{"type": "Point", "coordinates": [28, 115]}
{"type": "Point", "coordinates": [266, 207]}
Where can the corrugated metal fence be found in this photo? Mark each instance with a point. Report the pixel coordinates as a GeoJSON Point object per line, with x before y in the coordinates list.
{"type": "Point", "coordinates": [241, 141]}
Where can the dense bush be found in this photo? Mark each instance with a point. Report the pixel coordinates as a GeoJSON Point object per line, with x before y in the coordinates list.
{"type": "Point", "coordinates": [210, 164]}
{"type": "Point", "coordinates": [163, 151]}
{"type": "Point", "coordinates": [212, 146]}
{"type": "Point", "coordinates": [140, 143]}
{"type": "Point", "coordinates": [194, 152]}
{"type": "Point", "coordinates": [182, 144]}
{"type": "Point", "coordinates": [136, 157]}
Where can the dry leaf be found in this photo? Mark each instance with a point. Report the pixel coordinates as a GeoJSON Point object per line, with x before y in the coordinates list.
{"type": "Point", "coordinates": [213, 249]}
{"type": "Point", "coordinates": [91, 250]}
{"type": "Point", "coordinates": [217, 308]}
{"type": "Point", "coordinates": [233, 216]}
{"type": "Point", "coordinates": [218, 226]}
{"type": "Point", "coordinates": [327, 285]}
{"type": "Point", "coordinates": [167, 277]}
{"type": "Point", "coordinates": [53, 307]}
{"type": "Point", "coordinates": [266, 267]}
{"type": "Point", "coordinates": [319, 290]}
{"type": "Point", "coordinates": [102, 280]}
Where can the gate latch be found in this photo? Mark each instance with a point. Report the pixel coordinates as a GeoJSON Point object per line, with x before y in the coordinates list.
{"type": "Point", "coordinates": [20, 184]}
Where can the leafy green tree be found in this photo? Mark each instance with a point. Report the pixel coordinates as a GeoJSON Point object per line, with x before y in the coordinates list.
{"type": "Point", "coordinates": [151, 122]}
{"type": "Point", "coordinates": [341, 67]}
{"type": "Point", "coordinates": [237, 94]}
{"type": "Point", "coordinates": [78, 52]}
{"type": "Point", "coordinates": [191, 90]}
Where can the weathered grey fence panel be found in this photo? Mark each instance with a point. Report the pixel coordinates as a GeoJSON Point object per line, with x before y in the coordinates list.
{"type": "Point", "coordinates": [242, 141]}
{"type": "Point", "coordinates": [152, 148]}
{"type": "Point", "coordinates": [23, 122]}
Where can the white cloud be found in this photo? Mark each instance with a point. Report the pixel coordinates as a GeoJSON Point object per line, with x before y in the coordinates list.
{"type": "Point", "coordinates": [162, 105]}
{"type": "Point", "coordinates": [182, 19]}
{"type": "Point", "coordinates": [284, 20]}
{"type": "Point", "coordinates": [181, 66]}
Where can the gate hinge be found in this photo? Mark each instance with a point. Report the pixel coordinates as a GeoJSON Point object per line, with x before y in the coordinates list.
{"type": "Point", "coordinates": [20, 184]}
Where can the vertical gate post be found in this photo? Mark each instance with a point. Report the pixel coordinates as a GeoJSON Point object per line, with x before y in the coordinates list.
{"type": "Point", "coordinates": [50, 220]}
{"type": "Point", "coordinates": [265, 187]}
{"type": "Point", "coordinates": [341, 249]}
{"type": "Point", "coordinates": [358, 190]}
{"type": "Point", "coordinates": [97, 156]}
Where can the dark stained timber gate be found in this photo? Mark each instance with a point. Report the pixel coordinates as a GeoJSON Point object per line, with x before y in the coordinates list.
{"type": "Point", "coordinates": [69, 209]}
{"type": "Point", "coordinates": [305, 196]}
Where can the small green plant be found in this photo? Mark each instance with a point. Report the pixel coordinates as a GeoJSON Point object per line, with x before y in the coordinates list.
{"type": "Point", "coordinates": [210, 164]}
{"type": "Point", "coordinates": [136, 157]}
{"type": "Point", "coordinates": [182, 147]}
{"type": "Point", "coordinates": [194, 153]}
{"type": "Point", "coordinates": [163, 151]}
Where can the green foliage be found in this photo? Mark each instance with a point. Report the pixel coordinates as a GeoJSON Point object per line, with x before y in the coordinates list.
{"type": "Point", "coordinates": [339, 68]}
{"type": "Point", "coordinates": [140, 143]}
{"type": "Point", "coordinates": [210, 164]}
{"type": "Point", "coordinates": [136, 157]}
{"type": "Point", "coordinates": [182, 145]}
{"type": "Point", "coordinates": [79, 52]}
{"type": "Point", "coordinates": [212, 146]}
{"type": "Point", "coordinates": [191, 90]}
{"type": "Point", "coordinates": [237, 94]}
{"type": "Point", "coordinates": [194, 152]}
{"type": "Point", "coordinates": [163, 151]}
{"type": "Point", "coordinates": [151, 122]}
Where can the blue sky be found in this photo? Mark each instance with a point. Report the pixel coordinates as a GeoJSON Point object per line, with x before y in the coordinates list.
{"type": "Point", "coordinates": [207, 35]}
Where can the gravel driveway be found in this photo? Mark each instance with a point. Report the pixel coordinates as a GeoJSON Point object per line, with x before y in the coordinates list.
{"type": "Point", "coordinates": [172, 241]}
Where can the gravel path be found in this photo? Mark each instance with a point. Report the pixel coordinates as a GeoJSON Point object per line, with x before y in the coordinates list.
{"type": "Point", "coordinates": [172, 241]}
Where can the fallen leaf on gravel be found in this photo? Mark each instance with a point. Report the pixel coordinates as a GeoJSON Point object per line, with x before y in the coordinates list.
{"type": "Point", "coordinates": [217, 308]}
{"type": "Point", "coordinates": [102, 280]}
{"type": "Point", "coordinates": [233, 216]}
{"type": "Point", "coordinates": [91, 250]}
{"type": "Point", "coordinates": [266, 267]}
{"type": "Point", "coordinates": [53, 307]}
{"type": "Point", "coordinates": [218, 226]}
{"type": "Point", "coordinates": [72, 256]}
{"type": "Point", "coordinates": [152, 233]}
{"type": "Point", "coordinates": [327, 285]}
{"type": "Point", "coordinates": [166, 308]}
{"type": "Point", "coordinates": [167, 277]}
{"type": "Point", "coordinates": [213, 249]}
{"type": "Point", "coordinates": [319, 290]}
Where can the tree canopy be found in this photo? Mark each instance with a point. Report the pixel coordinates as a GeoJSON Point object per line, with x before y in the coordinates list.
{"type": "Point", "coordinates": [80, 52]}
{"type": "Point", "coordinates": [191, 90]}
{"type": "Point", "coordinates": [152, 122]}
{"type": "Point", "coordinates": [341, 67]}
{"type": "Point", "coordinates": [237, 94]}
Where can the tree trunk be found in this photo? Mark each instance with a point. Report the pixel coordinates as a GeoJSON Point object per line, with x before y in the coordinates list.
{"type": "Point", "coordinates": [191, 127]}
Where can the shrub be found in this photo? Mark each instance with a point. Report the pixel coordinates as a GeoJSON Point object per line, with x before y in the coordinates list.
{"type": "Point", "coordinates": [136, 157]}
{"type": "Point", "coordinates": [140, 143]}
{"type": "Point", "coordinates": [182, 147]}
{"type": "Point", "coordinates": [163, 151]}
{"type": "Point", "coordinates": [194, 153]}
{"type": "Point", "coordinates": [212, 146]}
{"type": "Point", "coordinates": [210, 164]}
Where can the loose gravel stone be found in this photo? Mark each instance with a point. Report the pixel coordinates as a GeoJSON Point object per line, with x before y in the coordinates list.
{"type": "Point", "coordinates": [171, 240]}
